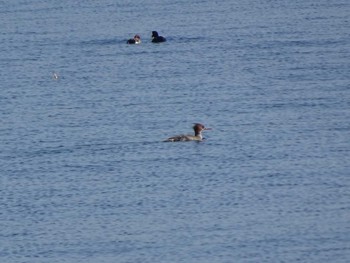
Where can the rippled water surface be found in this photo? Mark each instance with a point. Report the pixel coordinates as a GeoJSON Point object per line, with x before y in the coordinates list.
{"type": "Point", "coordinates": [85, 176]}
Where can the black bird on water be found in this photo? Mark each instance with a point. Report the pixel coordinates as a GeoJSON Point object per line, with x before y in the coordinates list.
{"type": "Point", "coordinates": [157, 38]}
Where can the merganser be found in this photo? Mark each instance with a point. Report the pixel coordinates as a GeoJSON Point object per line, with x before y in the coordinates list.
{"type": "Point", "coordinates": [156, 38]}
{"type": "Point", "coordinates": [135, 40]}
{"type": "Point", "coordinates": [198, 128]}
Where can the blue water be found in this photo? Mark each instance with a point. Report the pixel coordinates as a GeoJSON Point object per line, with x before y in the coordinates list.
{"type": "Point", "coordinates": [85, 176]}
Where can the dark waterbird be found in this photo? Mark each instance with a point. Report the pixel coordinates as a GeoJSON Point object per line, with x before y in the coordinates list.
{"type": "Point", "coordinates": [157, 38]}
{"type": "Point", "coordinates": [135, 40]}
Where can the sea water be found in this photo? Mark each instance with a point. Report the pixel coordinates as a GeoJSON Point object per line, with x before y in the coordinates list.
{"type": "Point", "coordinates": [85, 176]}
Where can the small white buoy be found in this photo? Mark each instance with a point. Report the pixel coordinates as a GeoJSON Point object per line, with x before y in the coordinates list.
{"type": "Point", "coordinates": [55, 76]}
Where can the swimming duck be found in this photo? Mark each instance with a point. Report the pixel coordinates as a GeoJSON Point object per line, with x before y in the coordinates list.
{"type": "Point", "coordinates": [156, 38]}
{"type": "Point", "coordinates": [198, 128]}
{"type": "Point", "coordinates": [135, 40]}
